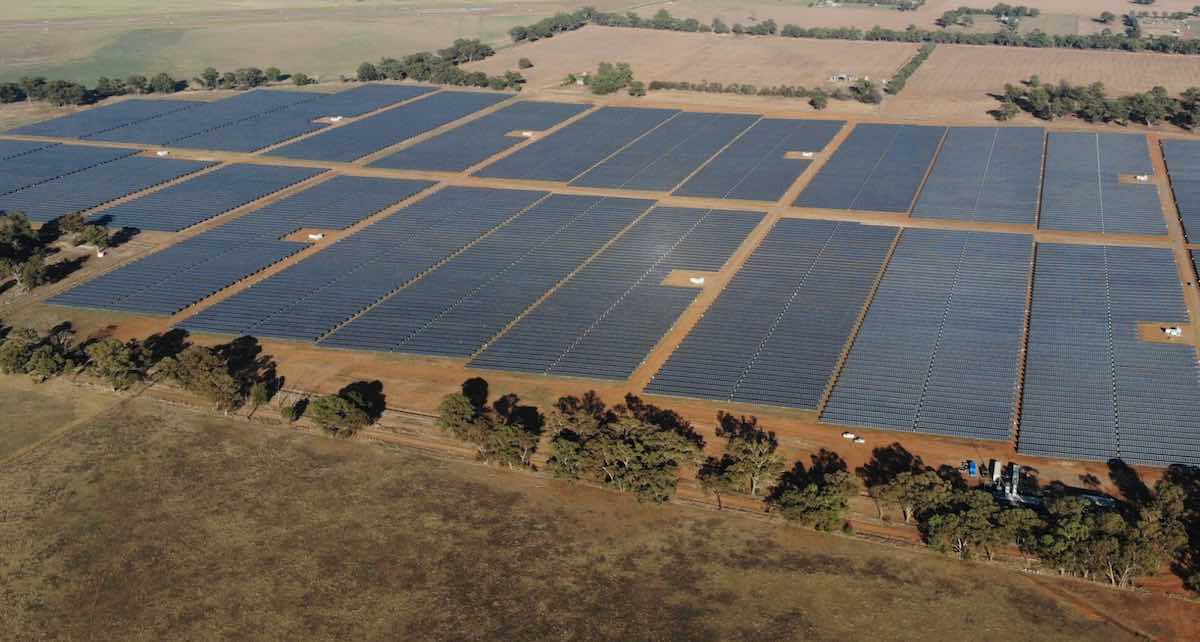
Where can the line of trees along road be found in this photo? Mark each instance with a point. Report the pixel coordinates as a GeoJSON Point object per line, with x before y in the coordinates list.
{"type": "Point", "coordinates": [442, 68]}
{"type": "Point", "coordinates": [1092, 104]}
{"type": "Point", "coordinates": [64, 92]}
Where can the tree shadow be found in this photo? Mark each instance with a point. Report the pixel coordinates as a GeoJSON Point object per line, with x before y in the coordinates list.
{"type": "Point", "coordinates": [633, 406]}
{"type": "Point", "coordinates": [368, 395]}
{"type": "Point", "coordinates": [123, 236]}
{"type": "Point", "coordinates": [60, 270]}
{"type": "Point", "coordinates": [511, 410]}
{"type": "Point", "coordinates": [887, 462]}
{"type": "Point", "coordinates": [157, 347]}
{"type": "Point", "coordinates": [823, 462]}
{"type": "Point", "coordinates": [476, 390]}
{"type": "Point", "coordinates": [952, 476]}
{"type": "Point", "coordinates": [246, 362]}
{"type": "Point", "coordinates": [1129, 482]}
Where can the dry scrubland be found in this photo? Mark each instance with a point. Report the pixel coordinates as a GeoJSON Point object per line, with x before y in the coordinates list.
{"type": "Point", "coordinates": [150, 523]}
{"type": "Point", "coordinates": [694, 57]}
{"type": "Point", "coordinates": [956, 80]}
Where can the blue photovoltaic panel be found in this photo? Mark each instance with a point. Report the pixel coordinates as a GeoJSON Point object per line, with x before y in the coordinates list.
{"type": "Point", "coordinates": [199, 199]}
{"type": "Point", "coordinates": [14, 148]}
{"type": "Point", "coordinates": [777, 330]}
{"type": "Point", "coordinates": [878, 168]}
{"type": "Point", "coordinates": [988, 174]}
{"type": "Point", "coordinates": [570, 151]}
{"type": "Point", "coordinates": [1093, 388]}
{"type": "Point", "coordinates": [661, 159]}
{"type": "Point", "coordinates": [96, 186]}
{"type": "Point", "coordinates": [96, 120]}
{"type": "Point", "coordinates": [309, 299]}
{"type": "Point", "coordinates": [174, 126]}
{"type": "Point", "coordinates": [294, 120]}
{"type": "Point", "coordinates": [604, 320]}
{"type": "Point", "coordinates": [458, 307]}
{"type": "Point", "coordinates": [939, 349]}
{"type": "Point", "coordinates": [362, 137]}
{"type": "Point", "coordinates": [56, 161]}
{"type": "Point", "coordinates": [1183, 165]}
{"type": "Point", "coordinates": [194, 269]}
{"type": "Point", "coordinates": [754, 166]}
{"type": "Point", "coordinates": [479, 140]}
{"type": "Point", "coordinates": [1084, 193]}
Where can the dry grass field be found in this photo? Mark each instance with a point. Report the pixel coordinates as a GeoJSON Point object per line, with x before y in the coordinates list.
{"type": "Point", "coordinates": [956, 80]}
{"type": "Point", "coordinates": [151, 523]}
{"type": "Point", "coordinates": [696, 56]}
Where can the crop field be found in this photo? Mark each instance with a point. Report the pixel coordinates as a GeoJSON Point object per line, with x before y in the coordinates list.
{"type": "Point", "coordinates": [912, 278]}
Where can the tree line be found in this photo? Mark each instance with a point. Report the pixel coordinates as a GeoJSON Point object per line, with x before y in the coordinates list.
{"type": "Point", "coordinates": [1092, 104]}
{"type": "Point", "coordinates": [663, 20]}
{"type": "Point", "coordinates": [442, 68]}
{"type": "Point", "coordinates": [898, 81]}
{"type": "Point", "coordinates": [1007, 14]}
{"type": "Point", "coordinates": [863, 90]}
{"type": "Point", "coordinates": [25, 252]}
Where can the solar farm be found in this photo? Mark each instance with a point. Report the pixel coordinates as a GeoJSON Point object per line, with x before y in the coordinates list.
{"type": "Point", "coordinates": [1010, 285]}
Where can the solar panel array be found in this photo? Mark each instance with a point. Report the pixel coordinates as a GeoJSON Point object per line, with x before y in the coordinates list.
{"type": "Point", "coordinates": [458, 307]}
{"type": "Point", "coordinates": [297, 119]}
{"type": "Point", "coordinates": [1083, 191]}
{"type": "Point", "coordinates": [1183, 165]}
{"type": "Point", "coordinates": [346, 143]}
{"type": "Point", "coordinates": [96, 186]}
{"type": "Point", "coordinates": [754, 166]}
{"type": "Point", "coordinates": [777, 330]}
{"type": "Point", "coordinates": [1093, 389]}
{"type": "Point", "coordinates": [606, 318]}
{"type": "Point", "coordinates": [96, 120]}
{"type": "Point", "coordinates": [177, 125]}
{"type": "Point", "coordinates": [938, 351]}
{"type": "Point", "coordinates": [34, 167]}
{"type": "Point", "coordinates": [194, 201]}
{"type": "Point", "coordinates": [988, 174]}
{"type": "Point", "coordinates": [196, 268]}
{"type": "Point", "coordinates": [663, 158]}
{"type": "Point", "coordinates": [478, 140]}
{"type": "Point", "coordinates": [570, 151]}
{"type": "Point", "coordinates": [309, 299]}
{"type": "Point", "coordinates": [14, 148]}
{"type": "Point", "coordinates": [877, 168]}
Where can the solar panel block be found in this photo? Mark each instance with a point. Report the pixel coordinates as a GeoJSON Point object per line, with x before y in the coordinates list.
{"type": "Point", "coordinates": [309, 299]}
{"type": "Point", "coordinates": [96, 120]}
{"type": "Point", "coordinates": [989, 174]}
{"type": "Point", "coordinates": [177, 125]}
{"type": "Point", "coordinates": [1093, 388]}
{"type": "Point", "coordinates": [14, 148]}
{"type": "Point", "coordinates": [479, 140]}
{"type": "Point", "coordinates": [661, 159]}
{"type": "Point", "coordinates": [29, 169]}
{"type": "Point", "coordinates": [96, 186]}
{"type": "Point", "coordinates": [192, 270]}
{"type": "Point", "coordinates": [572, 150]}
{"type": "Point", "coordinates": [458, 307]}
{"type": "Point", "coordinates": [194, 201]}
{"type": "Point", "coordinates": [1084, 191]}
{"type": "Point", "coordinates": [754, 166]}
{"type": "Point", "coordinates": [604, 320]}
{"type": "Point", "coordinates": [362, 137]}
{"type": "Point", "coordinates": [294, 120]}
{"type": "Point", "coordinates": [777, 330]}
{"type": "Point", "coordinates": [878, 168]}
{"type": "Point", "coordinates": [1183, 166]}
{"type": "Point", "coordinates": [939, 349]}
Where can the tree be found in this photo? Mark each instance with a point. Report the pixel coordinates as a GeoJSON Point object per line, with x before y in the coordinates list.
{"type": "Point", "coordinates": [338, 415]}
{"type": "Point", "coordinates": [754, 460]}
{"type": "Point", "coordinates": [208, 78]}
{"type": "Point", "coordinates": [455, 415]}
{"type": "Point", "coordinates": [201, 370]}
{"type": "Point", "coordinates": [610, 78]}
{"type": "Point", "coordinates": [302, 79]}
{"type": "Point", "coordinates": [915, 492]}
{"type": "Point", "coordinates": [719, 26]}
{"type": "Point", "coordinates": [817, 497]}
{"type": "Point", "coordinates": [113, 361]}
{"type": "Point", "coordinates": [963, 524]}
{"type": "Point", "coordinates": [106, 87]}
{"type": "Point", "coordinates": [1107, 17]}
{"type": "Point", "coordinates": [367, 72]}
{"type": "Point", "coordinates": [637, 88]}
{"type": "Point", "coordinates": [32, 272]}
{"type": "Point", "coordinates": [273, 74]}
{"type": "Point", "coordinates": [93, 235]}
{"type": "Point", "coordinates": [818, 100]}
{"type": "Point", "coordinates": [866, 91]}
{"type": "Point", "coordinates": [137, 84]}
{"type": "Point", "coordinates": [44, 362]}
{"type": "Point", "coordinates": [11, 92]}
{"type": "Point", "coordinates": [716, 478]}
{"type": "Point", "coordinates": [15, 351]}
{"type": "Point", "coordinates": [524, 63]}
{"type": "Point", "coordinates": [62, 92]}
{"type": "Point", "coordinates": [163, 83]}
{"type": "Point", "coordinates": [34, 87]}
{"type": "Point", "coordinates": [260, 393]}
{"type": "Point", "coordinates": [507, 433]}
{"type": "Point", "coordinates": [72, 223]}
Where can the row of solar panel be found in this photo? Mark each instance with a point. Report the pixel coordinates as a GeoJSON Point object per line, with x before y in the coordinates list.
{"type": "Point", "coordinates": [1183, 165]}
{"type": "Point", "coordinates": [1084, 189]}
{"type": "Point", "coordinates": [988, 174]}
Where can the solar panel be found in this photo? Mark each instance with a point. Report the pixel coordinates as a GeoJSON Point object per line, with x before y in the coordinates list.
{"type": "Point", "coordinates": [570, 151]}
{"type": "Point", "coordinates": [754, 166]}
{"type": "Point", "coordinates": [459, 306]}
{"type": "Point", "coordinates": [777, 330]}
{"type": "Point", "coordinates": [196, 268]}
{"type": "Point", "coordinates": [987, 174]}
{"type": "Point", "coordinates": [606, 318]}
{"type": "Point", "coordinates": [478, 140]}
{"type": "Point", "coordinates": [102, 118]}
{"type": "Point", "coordinates": [196, 200]}
{"type": "Point", "coordinates": [38, 166]}
{"type": "Point", "coordinates": [177, 125]}
{"type": "Point", "coordinates": [309, 299]}
{"type": "Point", "coordinates": [938, 351]}
{"type": "Point", "coordinates": [1084, 191]}
{"type": "Point", "coordinates": [96, 186]}
{"type": "Point", "coordinates": [1183, 165]}
{"type": "Point", "coordinates": [14, 148]}
{"type": "Point", "coordinates": [877, 168]}
{"type": "Point", "coordinates": [668, 154]}
{"type": "Point", "coordinates": [346, 143]}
